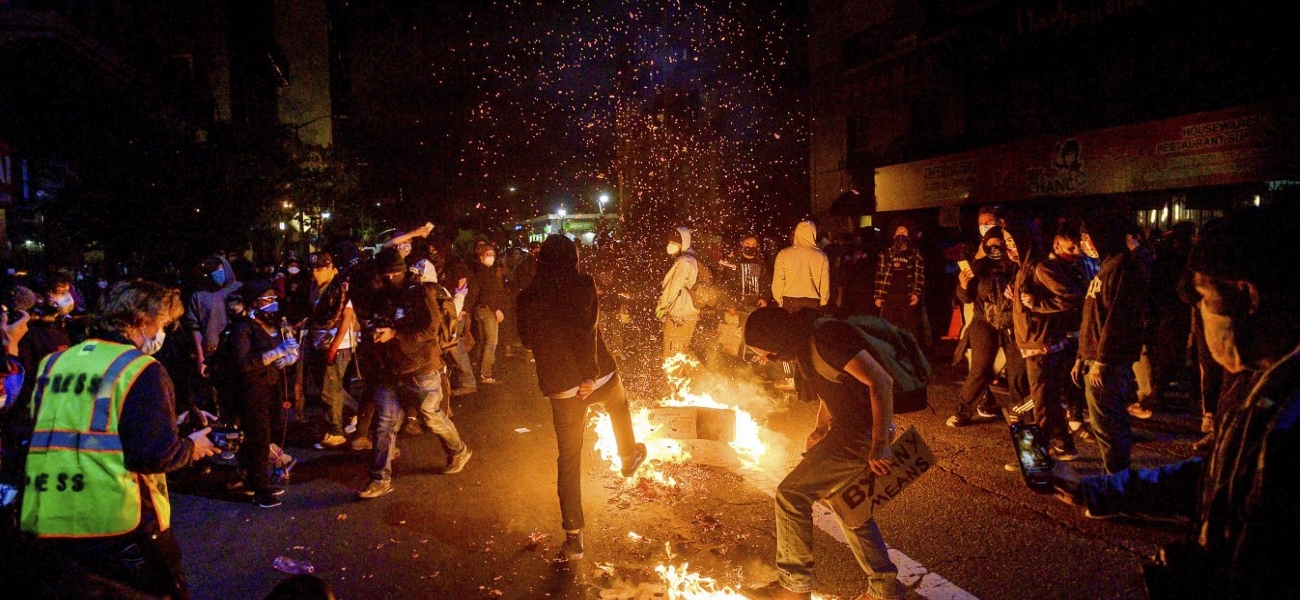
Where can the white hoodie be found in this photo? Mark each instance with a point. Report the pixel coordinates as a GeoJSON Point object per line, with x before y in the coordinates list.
{"type": "Point", "coordinates": [675, 299]}
{"type": "Point", "coordinates": [802, 270]}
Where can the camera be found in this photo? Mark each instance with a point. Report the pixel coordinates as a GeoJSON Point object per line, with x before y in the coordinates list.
{"type": "Point", "coordinates": [226, 438]}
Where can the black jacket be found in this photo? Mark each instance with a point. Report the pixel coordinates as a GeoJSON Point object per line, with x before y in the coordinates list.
{"type": "Point", "coordinates": [1056, 292]}
{"type": "Point", "coordinates": [557, 321]}
{"type": "Point", "coordinates": [985, 291]}
{"type": "Point", "coordinates": [1113, 311]}
{"type": "Point", "coordinates": [485, 289]}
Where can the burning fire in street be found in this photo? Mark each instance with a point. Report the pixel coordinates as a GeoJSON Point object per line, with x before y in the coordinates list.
{"type": "Point", "coordinates": [668, 447]}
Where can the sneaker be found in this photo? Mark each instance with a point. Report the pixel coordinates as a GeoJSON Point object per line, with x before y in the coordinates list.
{"type": "Point", "coordinates": [456, 463]}
{"type": "Point", "coordinates": [957, 421]}
{"type": "Point", "coordinates": [1081, 429]}
{"type": "Point", "coordinates": [1023, 407]}
{"type": "Point", "coordinates": [986, 413]}
{"type": "Point", "coordinates": [1087, 512]}
{"type": "Point", "coordinates": [490, 380]}
{"type": "Point", "coordinates": [638, 457]}
{"type": "Point", "coordinates": [1207, 423]}
{"type": "Point", "coordinates": [1205, 444]}
{"type": "Point", "coordinates": [351, 427]}
{"type": "Point", "coordinates": [274, 490]}
{"type": "Point", "coordinates": [773, 590]}
{"type": "Point", "coordinates": [572, 548]}
{"type": "Point", "coordinates": [1136, 411]}
{"type": "Point", "coordinates": [377, 488]}
{"type": "Point", "coordinates": [1013, 467]}
{"type": "Point", "coordinates": [1063, 452]}
{"type": "Point", "coordinates": [266, 499]}
{"type": "Point", "coordinates": [331, 441]}
{"type": "Point", "coordinates": [412, 426]}
{"type": "Point", "coordinates": [785, 385]}
{"type": "Point", "coordinates": [361, 443]}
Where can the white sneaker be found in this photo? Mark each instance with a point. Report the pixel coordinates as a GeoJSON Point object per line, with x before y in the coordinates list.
{"type": "Point", "coordinates": [351, 427]}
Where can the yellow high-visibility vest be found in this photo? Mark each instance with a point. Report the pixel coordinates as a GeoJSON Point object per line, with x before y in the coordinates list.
{"type": "Point", "coordinates": [77, 483]}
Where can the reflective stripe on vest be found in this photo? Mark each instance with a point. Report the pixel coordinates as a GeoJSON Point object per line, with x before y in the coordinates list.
{"type": "Point", "coordinates": [77, 482]}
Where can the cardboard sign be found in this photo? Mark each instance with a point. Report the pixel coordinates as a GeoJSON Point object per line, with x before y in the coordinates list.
{"type": "Point", "coordinates": [857, 499]}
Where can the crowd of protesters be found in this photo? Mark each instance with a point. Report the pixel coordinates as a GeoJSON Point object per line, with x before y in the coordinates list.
{"type": "Point", "coordinates": [373, 342]}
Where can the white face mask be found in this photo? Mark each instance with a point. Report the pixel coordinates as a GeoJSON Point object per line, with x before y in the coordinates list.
{"type": "Point", "coordinates": [292, 270]}
{"type": "Point", "coordinates": [155, 343]}
{"type": "Point", "coordinates": [984, 229]}
{"type": "Point", "coordinates": [62, 302]}
{"type": "Point", "coordinates": [489, 260]}
{"type": "Point", "coordinates": [101, 284]}
{"type": "Point", "coordinates": [674, 248]}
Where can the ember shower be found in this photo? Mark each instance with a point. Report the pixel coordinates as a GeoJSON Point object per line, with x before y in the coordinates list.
{"type": "Point", "coordinates": [683, 111]}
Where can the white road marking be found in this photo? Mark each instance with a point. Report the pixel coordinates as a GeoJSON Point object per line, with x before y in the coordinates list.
{"type": "Point", "coordinates": [912, 574]}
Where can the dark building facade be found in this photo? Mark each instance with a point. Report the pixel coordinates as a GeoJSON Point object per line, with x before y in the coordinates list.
{"type": "Point", "coordinates": [1179, 109]}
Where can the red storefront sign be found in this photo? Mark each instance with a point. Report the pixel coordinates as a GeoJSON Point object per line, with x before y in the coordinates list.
{"type": "Point", "coordinates": [1240, 145]}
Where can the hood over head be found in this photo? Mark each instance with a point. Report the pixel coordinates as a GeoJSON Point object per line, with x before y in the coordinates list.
{"type": "Point", "coordinates": [558, 252]}
{"type": "Point", "coordinates": [681, 235]}
{"type": "Point", "coordinates": [805, 234]}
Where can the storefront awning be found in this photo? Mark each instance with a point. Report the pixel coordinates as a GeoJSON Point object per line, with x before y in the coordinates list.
{"type": "Point", "coordinates": [1248, 144]}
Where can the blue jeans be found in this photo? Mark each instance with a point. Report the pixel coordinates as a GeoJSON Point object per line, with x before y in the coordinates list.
{"type": "Point", "coordinates": [834, 460]}
{"type": "Point", "coordinates": [464, 368]}
{"type": "Point", "coordinates": [1108, 411]}
{"type": "Point", "coordinates": [426, 391]}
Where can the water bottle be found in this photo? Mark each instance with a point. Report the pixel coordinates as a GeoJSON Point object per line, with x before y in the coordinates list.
{"type": "Point", "coordinates": [288, 565]}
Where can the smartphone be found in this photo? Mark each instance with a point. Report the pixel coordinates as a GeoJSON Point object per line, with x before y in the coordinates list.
{"type": "Point", "coordinates": [963, 266]}
{"type": "Point", "coordinates": [1030, 446]}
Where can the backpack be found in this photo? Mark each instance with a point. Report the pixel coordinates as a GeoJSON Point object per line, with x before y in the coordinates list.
{"type": "Point", "coordinates": [896, 350]}
{"type": "Point", "coordinates": [705, 294]}
{"type": "Point", "coordinates": [447, 317]}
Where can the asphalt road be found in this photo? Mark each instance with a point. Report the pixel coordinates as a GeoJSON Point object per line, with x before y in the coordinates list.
{"type": "Point", "coordinates": [966, 528]}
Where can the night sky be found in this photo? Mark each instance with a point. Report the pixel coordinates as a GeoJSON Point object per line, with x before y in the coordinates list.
{"type": "Point", "coordinates": [456, 102]}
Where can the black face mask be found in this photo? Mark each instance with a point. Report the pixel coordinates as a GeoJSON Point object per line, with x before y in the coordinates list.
{"type": "Point", "coordinates": [995, 252]}
{"type": "Point", "coordinates": [749, 252]}
{"type": "Point", "coordinates": [901, 240]}
{"type": "Point", "coordinates": [269, 314]}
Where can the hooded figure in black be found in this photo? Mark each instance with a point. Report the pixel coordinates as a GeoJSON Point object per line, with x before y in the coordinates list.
{"type": "Point", "coordinates": [557, 321]}
{"type": "Point", "coordinates": [989, 331]}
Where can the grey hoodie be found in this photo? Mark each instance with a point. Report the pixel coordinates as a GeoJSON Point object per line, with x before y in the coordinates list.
{"type": "Point", "coordinates": [802, 270]}
{"type": "Point", "coordinates": [674, 297]}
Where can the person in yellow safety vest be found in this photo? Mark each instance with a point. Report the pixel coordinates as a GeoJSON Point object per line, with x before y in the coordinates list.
{"type": "Point", "coordinates": [95, 494]}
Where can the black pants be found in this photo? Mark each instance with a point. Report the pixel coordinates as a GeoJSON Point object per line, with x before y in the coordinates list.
{"type": "Point", "coordinates": [570, 418]}
{"type": "Point", "coordinates": [259, 417]}
{"type": "Point", "coordinates": [1047, 376]}
{"type": "Point", "coordinates": [139, 562]}
{"type": "Point", "coordinates": [1167, 349]}
{"type": "Point", "coordinates": [984, 342]}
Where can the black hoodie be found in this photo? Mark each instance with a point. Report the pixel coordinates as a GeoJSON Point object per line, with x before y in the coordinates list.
{"type": "Point", "coordinates": [557, 320]}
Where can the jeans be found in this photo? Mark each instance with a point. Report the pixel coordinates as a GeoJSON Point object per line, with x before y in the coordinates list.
{"type": "Point", "coordinates": [834, 460]}
{"type": "Point", "coordinates": [147, 563]}
{"type": "Point", "coordinates": [332, 392]}
{"type": "Point", "coordinates": [426, 391]}
{"type": "Point", "coordinates": [1108, 410]}
{"type": "Point", "coordinates": [464, 368]}
{"type": "Point", "coordinates": [985, 341]}
{"type": "Point", "coordinates": [490, 330]}
{"type": "Point", "coordinates": [570, 418]}
{"type": "Point", "coordinates": [1047, 376]}
{"type": "Point", "coordinates": [677, 335]}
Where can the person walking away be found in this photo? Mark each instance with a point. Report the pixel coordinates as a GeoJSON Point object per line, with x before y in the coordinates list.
{"type": "Point", "coordinates": [96, 491]}
{"type": "Point", "coordinates": [676, 309]}
{"type": "Point", "coordinates": [854, 421]}
{"type": "Point", "coordinates": [406, 347]}
{"type": "Point", "coordinates": [1113, 311]}
{"type": "Point", "coordinates": [558, 320]}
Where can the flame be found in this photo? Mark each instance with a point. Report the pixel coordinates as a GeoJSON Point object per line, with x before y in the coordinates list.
{"type": "Point", "coordinates": [748, 444]}
{"type": "Point", "coordinates": [685, 585]}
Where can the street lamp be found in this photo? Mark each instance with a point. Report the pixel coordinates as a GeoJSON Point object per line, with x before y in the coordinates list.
{"type": "Point", "coordinates": [604, 198]}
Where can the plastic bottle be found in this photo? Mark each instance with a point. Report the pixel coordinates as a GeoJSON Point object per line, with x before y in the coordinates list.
{"type": "Point", "coordinates": [288, 565]}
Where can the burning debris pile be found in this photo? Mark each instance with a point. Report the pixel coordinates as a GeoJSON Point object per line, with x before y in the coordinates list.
{"type": "Point", "coordinates": [691, 427]}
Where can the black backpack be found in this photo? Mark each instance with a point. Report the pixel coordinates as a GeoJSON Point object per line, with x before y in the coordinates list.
{"type": "Point", "coordinates": [898, 353]}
